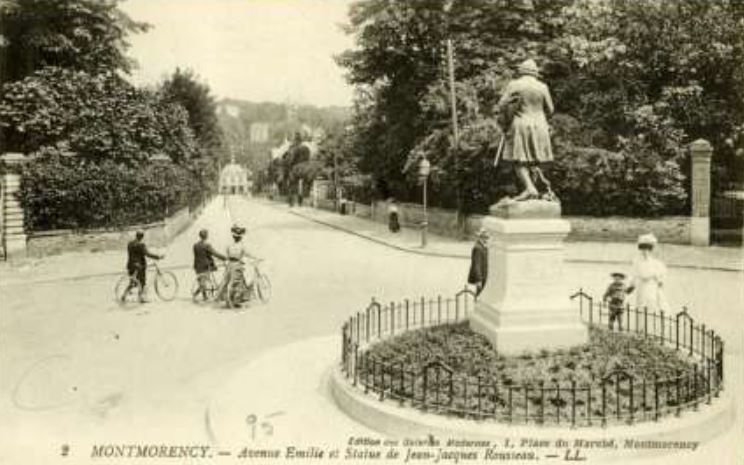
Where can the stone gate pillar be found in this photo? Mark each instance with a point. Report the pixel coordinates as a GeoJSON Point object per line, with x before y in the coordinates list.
{"type": "Point", "coordinates": [13, 233]}
{"type": "Point", "coordinates": [701, 153]}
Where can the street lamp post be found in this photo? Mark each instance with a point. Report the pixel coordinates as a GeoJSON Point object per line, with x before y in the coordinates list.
{"type": "Point", "coordinates": [424, 168]}
{"type": "Point", "coordinates": [335, 179]}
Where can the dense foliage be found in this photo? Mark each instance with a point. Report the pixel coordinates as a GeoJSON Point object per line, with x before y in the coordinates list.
{"type": "Point", "coordinates": [62, 192]}
{"type": "Point", "coordinates": [182, 88]}
{"type": "Point", "coordinates": [646, 75]}
{"type": "Point", "coordinates": [103, 152]}
{"type": "Point", "coordinates": [87, 35]}
{"type": "Point", "coordinates": [484, 380]}
{"type": "Point", "coordinates": [634, 181]}
{"type": "Point", "coordinates": [470, 354]}
{"type": "Point", "coordinates": [98, 117]}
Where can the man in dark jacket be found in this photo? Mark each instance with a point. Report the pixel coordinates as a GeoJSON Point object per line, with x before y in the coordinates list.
{"type": "Point", "coordinates": [137, 254]}
{"type": "Point", "coordinates": [479, 262]}
{"type": "Point", "coordinates": [204, 255]}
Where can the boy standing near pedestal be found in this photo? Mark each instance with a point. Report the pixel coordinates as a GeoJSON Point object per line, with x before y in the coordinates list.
{"type": "Point", "coordinates": [479, 262]}
{"type": "Point", "coordinates": [615, 298]}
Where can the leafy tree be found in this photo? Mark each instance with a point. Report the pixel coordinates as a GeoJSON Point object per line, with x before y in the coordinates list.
{"type": "Point", "coordinates": [652, 75]}
{"type": "Point", "coordinates": [87, 35]}
{"type": "Point", "coordinates": [337, 156]}
{"type": "Point", "coordinates": [636, 180]}
{"type": "Point", "coordinates": [91, 135]}
{"type": "Point", "coordinates": [684, 60]}
{"type": "Point", "coordinates": [98, 117]}
{"type": "Point", "coordinates": [295, 164]}
{"type": "Point", "coordinates": [399, 67]}
{"type": "Point", "coordinates": [183, 88]}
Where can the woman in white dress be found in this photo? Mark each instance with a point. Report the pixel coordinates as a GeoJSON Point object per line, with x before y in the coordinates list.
{"type": "Point", "coordinates": [648, 277]}
{"type": "Point", "coordinates": [236, 254]}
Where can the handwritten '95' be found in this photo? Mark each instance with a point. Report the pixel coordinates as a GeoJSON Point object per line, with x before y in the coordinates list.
{"type": "Point", "coordinates": [264, 426]}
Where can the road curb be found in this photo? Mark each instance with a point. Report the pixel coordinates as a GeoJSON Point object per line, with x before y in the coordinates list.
{"type": "Point", "coordinates": [379, 241]}
{"type": "Point", "coordinates": [107, 272]}
{"type": "Point", "coordinates": [466, 256]}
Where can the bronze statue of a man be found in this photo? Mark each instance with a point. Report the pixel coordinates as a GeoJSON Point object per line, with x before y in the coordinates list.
{"type": "Point", "coordinates": [522, 112]}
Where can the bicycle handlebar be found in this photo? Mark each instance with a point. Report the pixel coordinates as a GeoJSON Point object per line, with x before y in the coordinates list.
{"type": "Point", "coordinates": [243, 260]}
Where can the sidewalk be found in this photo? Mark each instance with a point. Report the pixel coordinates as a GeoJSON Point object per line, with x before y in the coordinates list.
{"type": "Point", "coordinates": [82, 265]}
{"type": "Point", "coordinates": [409, 240]}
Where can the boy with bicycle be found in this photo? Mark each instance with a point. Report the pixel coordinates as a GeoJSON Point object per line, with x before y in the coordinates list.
{"type": "Point", "coordinates": [204, 255]}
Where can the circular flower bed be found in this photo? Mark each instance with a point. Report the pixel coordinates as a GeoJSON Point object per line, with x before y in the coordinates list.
{"type": "Point", "coordinates": [471, 356]}
{"type": "Point", "coordinates": [614, 377]}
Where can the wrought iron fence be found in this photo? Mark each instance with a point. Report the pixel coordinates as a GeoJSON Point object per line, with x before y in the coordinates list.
{"type": "Point", "coordinates": [727, 219]}
{"type": "Point", "coordinates": [617, 397]}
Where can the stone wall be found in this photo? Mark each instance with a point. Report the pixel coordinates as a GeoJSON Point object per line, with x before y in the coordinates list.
{"type": "Point", "coordinates": [158, 234]}
{"type": "Point", "coordinates": [672, 230]}
{"type": "Point", "coordinates": [411, 215]}
{"type": "Point", "coordinates": [352, 208]}
{"type": "Point", "coordinates": [362, 210]}
{"type": "Point", "coordinates": [326, 204]}
{"type": "Point", "coordinates": [177, 223]}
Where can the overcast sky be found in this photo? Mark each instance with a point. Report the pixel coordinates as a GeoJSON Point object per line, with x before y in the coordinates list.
{"type": "Point", "coordinates": [258, 50]}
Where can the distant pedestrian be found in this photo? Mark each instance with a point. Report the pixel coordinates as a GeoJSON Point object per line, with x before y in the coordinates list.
{"type": "Point", "coordinates": [478, 274]}
{"type": "Point", "coordinates": [393, 218]}
{"type": "Point", "coordinates": [614, 296]}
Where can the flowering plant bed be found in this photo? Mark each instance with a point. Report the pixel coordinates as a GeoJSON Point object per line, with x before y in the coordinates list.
{"type": "Point", "coordinates": [423, 354]}
{"type": "Point", "coordinates": [469, 355]}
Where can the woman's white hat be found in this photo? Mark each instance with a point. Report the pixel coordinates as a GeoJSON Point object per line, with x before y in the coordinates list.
{"type": "Point", "coordinates": [649, 239]}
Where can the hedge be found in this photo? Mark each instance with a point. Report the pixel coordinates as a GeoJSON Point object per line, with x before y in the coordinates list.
{"type": "Point", "coordinates": [635, 181]}
{"type": "Point", "coordinates": [59, 192]}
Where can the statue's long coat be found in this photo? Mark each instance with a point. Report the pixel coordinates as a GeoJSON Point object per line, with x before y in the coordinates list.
{"type": "Point", "coordinates": [528, 137]}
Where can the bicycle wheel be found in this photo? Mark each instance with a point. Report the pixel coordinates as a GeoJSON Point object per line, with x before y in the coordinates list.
{"type": "Point", "coordinates": [127, 290]}
{"type": "Point", "coordinates": [166, 285]}
{"type": "Point", "coordinates": [205, 293]}
{"type": "Point", "coordinates": [196, 292]}
{"type": "Point", "coordinates": [235, 294]}
{"type": "Point", "coordinates": [263, 287]}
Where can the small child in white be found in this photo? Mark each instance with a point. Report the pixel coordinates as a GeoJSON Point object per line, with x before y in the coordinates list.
{"type": "Point", "coordinates": [615, 298]}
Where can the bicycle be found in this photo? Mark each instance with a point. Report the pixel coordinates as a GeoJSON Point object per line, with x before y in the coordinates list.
{"type": "Point", "coordinates": [128, 286]}
{"type": "Point", "coordinates": [208, 288]}
{"type": "Point", "coordinates": [238, 291]}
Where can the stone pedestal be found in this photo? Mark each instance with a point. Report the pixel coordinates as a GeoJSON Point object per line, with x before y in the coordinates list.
{"type": "Point", "coordinates": [525, 305]}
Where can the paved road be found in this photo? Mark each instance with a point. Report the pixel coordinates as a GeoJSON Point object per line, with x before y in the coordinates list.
{"type": "Point", "coordinates": [76, 368]}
